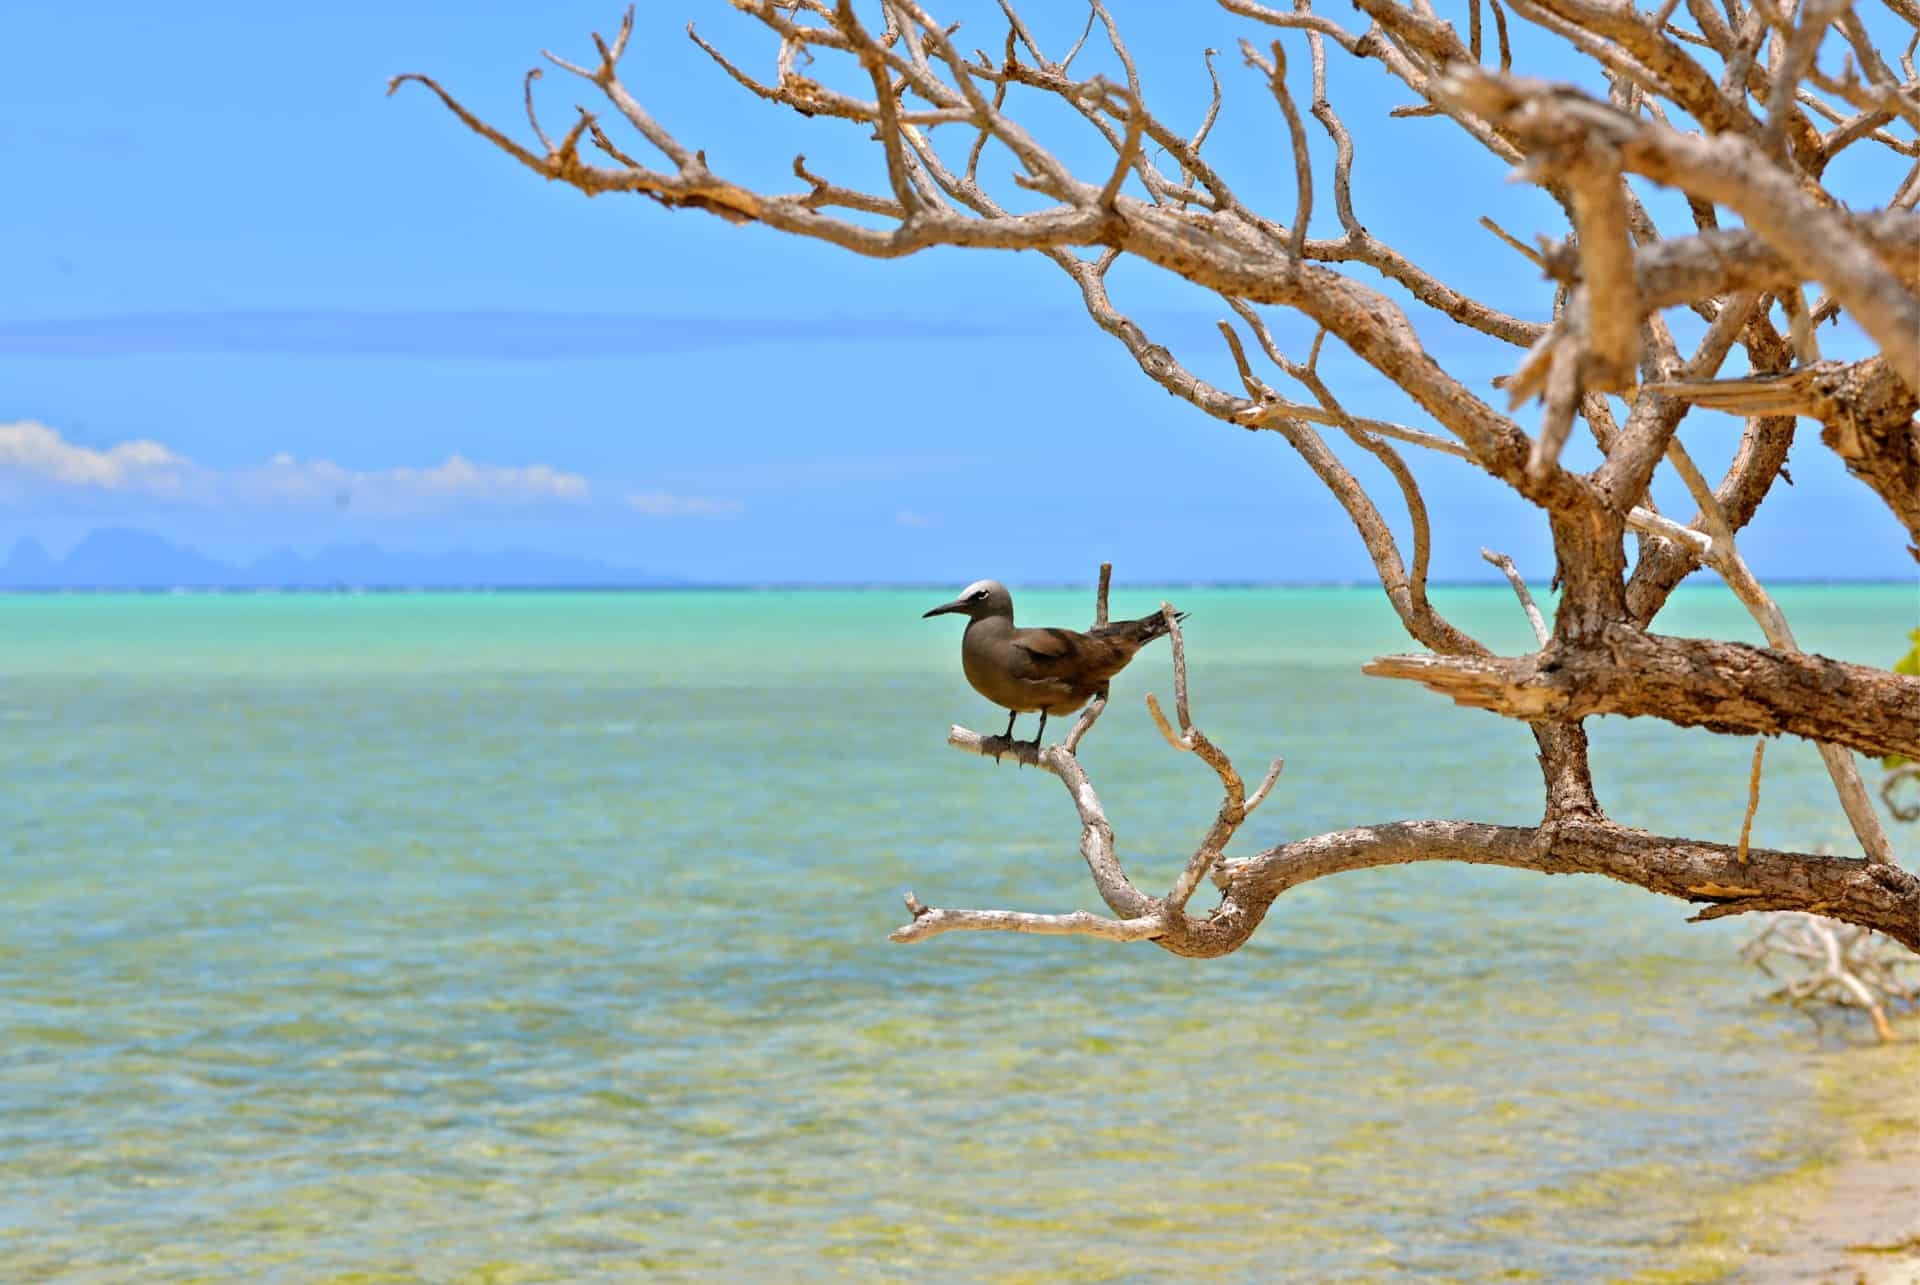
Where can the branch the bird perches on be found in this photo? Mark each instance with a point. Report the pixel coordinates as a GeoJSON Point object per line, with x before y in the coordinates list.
{"type": "Point", "coordinates": [1140, 916]}
{"type": "Point", "coordinates": [1724, 879]}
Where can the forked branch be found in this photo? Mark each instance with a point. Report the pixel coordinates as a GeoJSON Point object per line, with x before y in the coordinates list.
{"type": "Point", "coordinates": [1140, 916]}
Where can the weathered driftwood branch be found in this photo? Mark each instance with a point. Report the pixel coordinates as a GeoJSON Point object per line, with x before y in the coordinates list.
{"type": "Point", "coordinates": [1721, 686]}
{"type": "Point", "coordinates": [1872, 894]}
{"type": "Point", "coordinates": [1722, 261]}
{"type": "Point", "coordinates": [1722, 877]}
{"type": "Point", "coordinates": [1534, 618]}
{"type": "Point", "coordinates": [1866, 416]}
{"type": "Point", "coordinates": [1724, 557]}
{"type": "Point", "coordinates": [1838, 964]}
{"type": "Point", "coordinates": [1726, 168]}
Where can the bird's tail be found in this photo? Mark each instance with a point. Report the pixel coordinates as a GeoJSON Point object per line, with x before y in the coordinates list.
{"type": "Point", "coordinates": [1139, 632]}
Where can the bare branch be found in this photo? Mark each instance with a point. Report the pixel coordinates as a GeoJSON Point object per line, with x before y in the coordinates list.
{"type": "Point", "coordinates": [1259, 796]}
{"type": "Point", "coordinates": [1532, 255]}
{"type": "Point", "coordinates": [1655, 418]}
{"type": "Point", "coordinates": [1276, 72]}
{"type": "Point", "coordinates": [1298, 20]}
{"type": "Point", "coordinates": [1845, 965]}
{"type": "Point", "coordinates": [1773, 623]}
{"type": "Point", "coordinates": [1728, 169]}
{"type": "Point", "coordinates": [1534, 617]}
{"type": "Point", "coordinates": [873, 60]}
{"type": "Point", "coordinates": [1881, 897]}
{"type": "Point", "coordinates": [1865, 410]}
{"type": "Point", "coordinates": [1179, 667]}
{"type": "Point", "coordinates": [606, 78]}
{"type": "Point", "coordinates": [1273, 411]}
{"type": "Point", "coordinates": [1721, 686]}
{"type": "Point", "coordinates": [1141, 917]}
{"type": "Point", "coordinates": [1683, 79]}
{"type": "Point", "coordinates": [1653, 524]}
{"type": "Point", "coordinates": [1683, 269]}
{"type": "Point", "coordinates": [1213, 110]}
{"type": "Point", "coordinates": [1606, 263]}
{"type": "Point", "coordinates": [929, 922]}
{"type": "Point", "coordinates": [1562, 402]}
{"type": "Point", "coordinates": [1406, 592]}
{"type": "Point", "coordinates": [1078, 44]}
{"type": "Point", "coordinates": [1753, 797]}
{"type": "Point", "coordinates": [1759, 459]}
{"type": "Point", "coordinates": [533, 118]}
{"type": "Point", "coordinates": [1128, 155]}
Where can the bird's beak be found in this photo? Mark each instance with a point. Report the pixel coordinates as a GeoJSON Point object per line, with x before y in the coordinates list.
{"type": "Point", "coordinates": [958, 604]}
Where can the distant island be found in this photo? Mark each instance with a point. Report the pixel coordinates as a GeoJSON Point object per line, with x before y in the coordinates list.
{"type": "Point", "coordinates": [127, 558]}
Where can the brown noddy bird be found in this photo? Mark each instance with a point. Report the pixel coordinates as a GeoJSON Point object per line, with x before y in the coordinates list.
{"type": "Point", "coordinates": [1054, 671]}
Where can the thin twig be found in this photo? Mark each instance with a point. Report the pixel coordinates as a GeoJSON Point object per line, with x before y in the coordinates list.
{"type": "Point", "coordinates": [1172, 618]}
{"type": "Point", "coordinates": [1753, 796]}
{"type": "Point", "coordinates": [1532, 255]}
{"type": "Point", "coordinates": [1128, 154]}
{"type": "Point", "coordinates": [1534, 617]}
{"type": "Point", "coordinates": [1276, 72]}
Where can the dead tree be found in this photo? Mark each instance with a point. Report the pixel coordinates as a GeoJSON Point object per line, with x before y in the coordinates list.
{"type": "Point", "coordinates": [1739, 105]}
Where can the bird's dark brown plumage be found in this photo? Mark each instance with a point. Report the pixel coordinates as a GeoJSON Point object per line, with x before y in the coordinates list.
{"type": "Point", "coordinates": [1053, 671]}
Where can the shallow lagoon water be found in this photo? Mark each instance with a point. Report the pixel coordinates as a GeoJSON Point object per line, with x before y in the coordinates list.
{"type": "Point", "coordinates": [543, 937]}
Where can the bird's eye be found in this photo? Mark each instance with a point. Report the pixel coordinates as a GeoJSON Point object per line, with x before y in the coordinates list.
{"type": "Point", "coordinates": [977, 595]}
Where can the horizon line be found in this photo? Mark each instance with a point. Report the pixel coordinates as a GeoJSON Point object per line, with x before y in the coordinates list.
{"type": "Point", "coordinates": [805, 586]}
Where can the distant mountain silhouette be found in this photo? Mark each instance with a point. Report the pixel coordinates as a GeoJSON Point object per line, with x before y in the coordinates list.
{"type": "Point", "coordinates": [125, 558]}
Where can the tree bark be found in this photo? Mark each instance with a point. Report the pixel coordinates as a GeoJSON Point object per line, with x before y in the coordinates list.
{"type": "Point", "coordinates": [1864, 892]}
{"type": "Point", "coordinates": [1694, 682]}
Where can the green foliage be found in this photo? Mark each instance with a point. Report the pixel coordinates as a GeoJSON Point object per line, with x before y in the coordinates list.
{"type": "Point", "coordinates": [1907, 664]}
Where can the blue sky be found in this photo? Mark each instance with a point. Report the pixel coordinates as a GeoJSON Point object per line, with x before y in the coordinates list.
{"type": "Point", "coordinates": [251, 302]}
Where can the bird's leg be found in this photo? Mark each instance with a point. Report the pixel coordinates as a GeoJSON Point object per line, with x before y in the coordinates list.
{"type": "Point", "coordinates": [1007, 735]}
{"type": "Point", "coordinates": [1042, 732]}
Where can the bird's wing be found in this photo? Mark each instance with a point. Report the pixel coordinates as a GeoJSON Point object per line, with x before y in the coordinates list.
{"type": "Point", "coordinates": [1069, 655]}
{"type": "Point", "coordinates": [1047, 646]}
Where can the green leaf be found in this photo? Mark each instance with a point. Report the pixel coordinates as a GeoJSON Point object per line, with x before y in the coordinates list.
{"type": "Point", "coordinates": [1910, 663]}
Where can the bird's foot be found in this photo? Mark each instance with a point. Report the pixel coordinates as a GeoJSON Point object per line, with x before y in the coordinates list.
{"type": "Point", "coordinates": [998, 748]}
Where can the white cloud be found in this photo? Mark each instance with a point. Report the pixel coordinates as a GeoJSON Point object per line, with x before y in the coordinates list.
{"type": "Point", "coordinates": [35, 455]}
{"type": "Point", "coordinates": [663, 504]}
{"type": "Point", "coordinates": [456, 483]}
{"type": "Point", "coordinates": [39, 453]}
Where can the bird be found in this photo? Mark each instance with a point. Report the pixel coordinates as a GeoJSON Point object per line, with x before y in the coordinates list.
{"type": "Point", "coordinates": [1054, 671]}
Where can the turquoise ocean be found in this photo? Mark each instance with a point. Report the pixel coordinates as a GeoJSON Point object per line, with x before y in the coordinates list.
{"type": "Point", "coordinates": [543, 937]}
